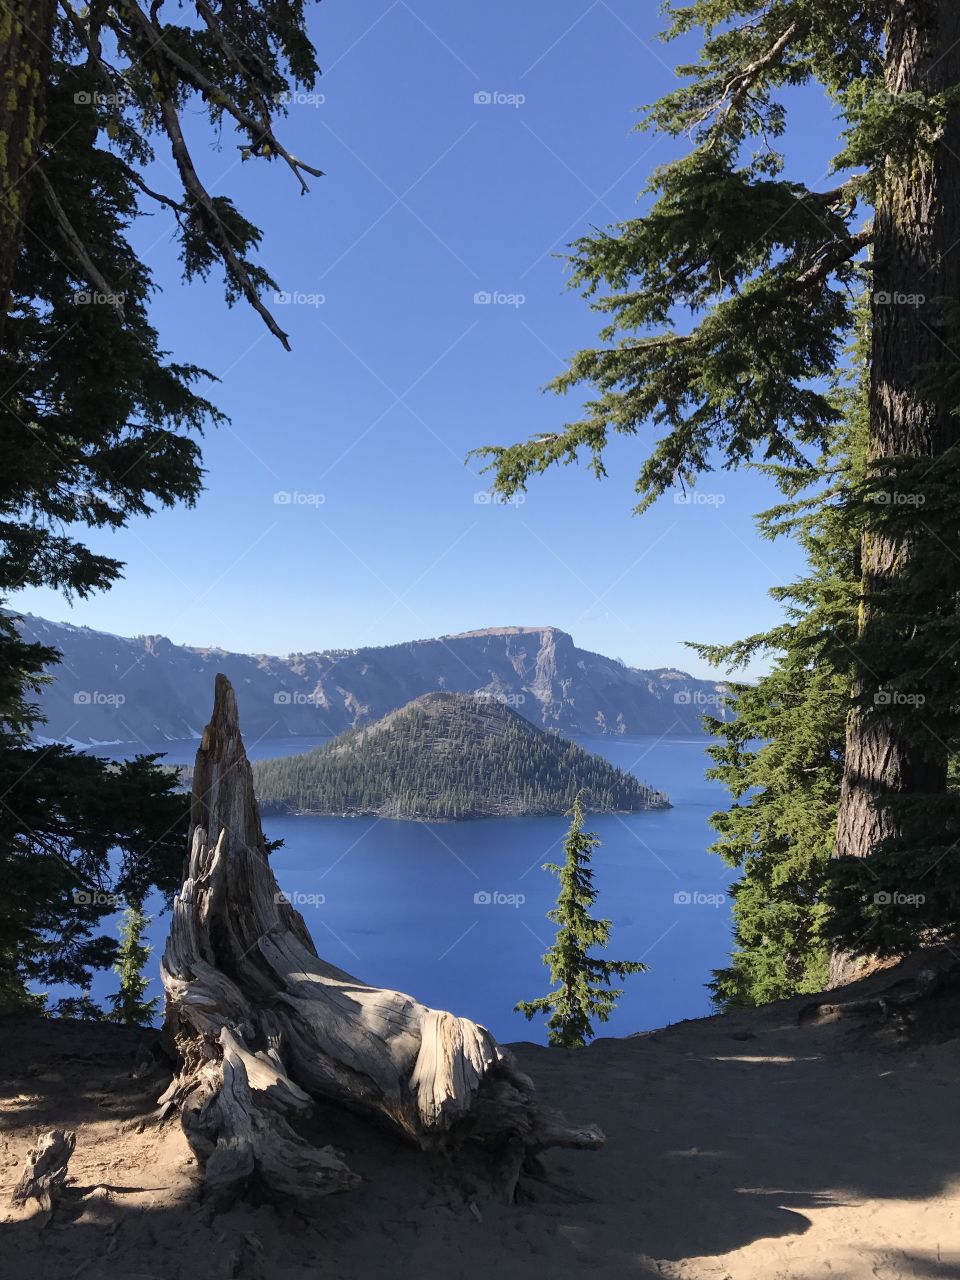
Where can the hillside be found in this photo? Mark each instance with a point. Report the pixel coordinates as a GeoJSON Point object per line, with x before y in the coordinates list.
{"type": "Point", "coordinates": [448, 755]}
{"type": "Point", "coordinates": [147, 689]}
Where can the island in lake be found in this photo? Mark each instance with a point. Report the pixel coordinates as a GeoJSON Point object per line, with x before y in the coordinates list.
{"type": "Point", "coordinates": [448, 756]}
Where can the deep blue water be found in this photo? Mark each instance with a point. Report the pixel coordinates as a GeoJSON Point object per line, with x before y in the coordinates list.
{"type": "Point", "coordinates": [455, 913]}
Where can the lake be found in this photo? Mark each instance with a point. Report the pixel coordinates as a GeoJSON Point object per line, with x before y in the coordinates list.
{"type": "Point", "coordinates": [454, 913]}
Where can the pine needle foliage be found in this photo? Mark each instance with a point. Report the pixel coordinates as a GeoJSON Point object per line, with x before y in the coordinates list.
{"type": "Point", "coordinates": [581, 983]}
{"type": "Point", "coordinates": [98, 424]}
{"type": "Point", "coordinates": [726, 306]}
{"type": "Point", "coordinates": [128, 1005]}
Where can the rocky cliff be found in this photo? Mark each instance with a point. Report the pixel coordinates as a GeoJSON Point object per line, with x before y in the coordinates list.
{"type": "Point", "coordinates": [146, 689]}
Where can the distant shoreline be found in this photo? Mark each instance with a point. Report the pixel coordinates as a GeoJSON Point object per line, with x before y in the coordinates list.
{"type": "Point", "coordinates": [275, 812]}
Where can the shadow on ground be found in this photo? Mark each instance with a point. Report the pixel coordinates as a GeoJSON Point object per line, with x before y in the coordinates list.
{"type": "Point", "coordinates": [729, 1134]}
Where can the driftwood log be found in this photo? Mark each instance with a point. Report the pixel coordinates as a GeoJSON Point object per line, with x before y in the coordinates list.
{"type": "Point", "coordinates": [263, 1026]}
{"type": "Point", "coordinates": [45, 1170]}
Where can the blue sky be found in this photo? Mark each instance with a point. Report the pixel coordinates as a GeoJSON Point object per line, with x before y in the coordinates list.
{"type": "Point", "coordinates": [432, 197]}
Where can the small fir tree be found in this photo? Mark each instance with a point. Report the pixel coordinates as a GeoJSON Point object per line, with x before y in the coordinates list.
{"type": "Point", "coordinates": [128, 1004]}
{"type": "Point", "coordinates": [581, 984]}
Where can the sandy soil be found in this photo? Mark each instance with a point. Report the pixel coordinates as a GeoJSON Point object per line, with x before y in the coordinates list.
{"type": "Point", "coordinates": [752, 1146]}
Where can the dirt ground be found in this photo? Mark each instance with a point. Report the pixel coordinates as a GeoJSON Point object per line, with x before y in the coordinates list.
{"type": "Point", "coordinates": [753, 1146]}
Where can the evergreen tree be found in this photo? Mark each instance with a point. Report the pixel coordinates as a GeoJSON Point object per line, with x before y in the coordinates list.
{"type": "Point", "coordinates": [448, 755]}
{"type": "Point", "coordinates": [781, 756]}
{"type": "Point", "coordinates": [766, 268]}
{"type": "Point", "coordinates": [581, 987]}
{"type": "Point", "coordinates": [96, 423]}
{"type": "Point", "coordinates": [128, 1003]}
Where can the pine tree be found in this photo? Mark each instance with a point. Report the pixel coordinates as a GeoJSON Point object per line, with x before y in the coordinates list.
{"type": "Point", "coordinates": [128, 1003]}
{"type": "Point", "coordinates": [581, 987]}
{"type": "Point", "coordinates": [766, 269]}
{"type": "Point", "coordinates": [501, 764]}
{"type": "Point", "coordinates": [781, 755]}
{"type": "Point", "coordinates": [89, 92]}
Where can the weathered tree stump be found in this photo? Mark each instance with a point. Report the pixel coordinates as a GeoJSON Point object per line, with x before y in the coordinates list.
{"type": "Point", "coordinates": [263, 1026]}
{"type": "Point", "coordinates": [45, 1170]}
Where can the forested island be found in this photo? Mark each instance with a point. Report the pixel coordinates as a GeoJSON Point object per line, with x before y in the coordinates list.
{"type": "Point", "coordinates": [448, 756]}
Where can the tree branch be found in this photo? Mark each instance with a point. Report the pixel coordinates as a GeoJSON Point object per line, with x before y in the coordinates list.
{"type": "Point", "coordinates": [260, 131]}
{"type": "Point", "coordinates": [738, 87]}
{"type": "Point", "coordinates": [177, 205]}
{"type": "Point", "coordinates": [67, 230]}
{"type": "Point", "coordinates": [86, 37]}
{"type": "Point", "coordinates": [218, 231]}
{"type": "Point", "coordinates": [834, 255]}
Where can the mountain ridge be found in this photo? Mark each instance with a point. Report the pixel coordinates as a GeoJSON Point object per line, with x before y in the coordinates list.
{"type": "Point", "coordinates": [114, 689]}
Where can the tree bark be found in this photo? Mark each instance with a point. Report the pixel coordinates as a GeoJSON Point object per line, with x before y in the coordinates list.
{"type": "Point", "coordinates": [916, 267]}
{"type": "Point", "coordinates": [263, 1026]}
{"type": "Point", "coordinates": [26, 39]}
{"type": "Point", "coordinates": [45, 1170]}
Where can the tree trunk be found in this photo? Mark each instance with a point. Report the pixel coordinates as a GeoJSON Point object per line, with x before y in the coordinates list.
{"type": "Point", "coordinates": [263, 1026]}
{"type": "Point", "coordinates": [916, 266]}
{"type": "Point", "coordinates": [26, 37]}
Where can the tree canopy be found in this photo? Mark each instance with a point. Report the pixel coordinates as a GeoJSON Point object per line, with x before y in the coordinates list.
{"type": "Point", "coordinates": [727, 306]}
{"type": "Point", "coordinates": [448, 755]}
{"type": "Point", "coordinates": [97, 424]}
